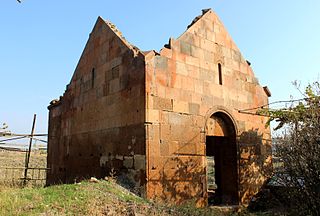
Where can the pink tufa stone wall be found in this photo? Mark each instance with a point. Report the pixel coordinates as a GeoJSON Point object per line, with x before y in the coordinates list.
{"type": "Point", "coordinates": [182, 92]}
{"type": "Point", "coordinates": [148, 115]}
{"type": "Point", "coordinates": [98, 124]}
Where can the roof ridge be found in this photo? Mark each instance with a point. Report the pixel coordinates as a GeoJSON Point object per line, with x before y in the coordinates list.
{"type": "Point", "coordinates": [114, 28]}
{"type": "Point", "coordinates": [204, 11]}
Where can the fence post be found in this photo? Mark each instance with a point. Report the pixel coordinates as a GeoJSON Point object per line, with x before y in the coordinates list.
{"type": "Point", "coordinates": [29, 150]}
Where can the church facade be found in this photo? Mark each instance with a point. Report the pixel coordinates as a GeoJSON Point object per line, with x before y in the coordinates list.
{"type": "Point", "coordinates": [170, 122]}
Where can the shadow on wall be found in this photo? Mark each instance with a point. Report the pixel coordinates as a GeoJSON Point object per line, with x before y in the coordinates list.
{"type": "Point", "coordinates": [182, 178]}
{"type": "Point", "coordinates": [255, 163]}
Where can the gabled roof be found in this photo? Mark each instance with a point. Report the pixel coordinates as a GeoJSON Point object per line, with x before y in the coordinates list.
{"type": "Point", "coordinates": [116, 31]}
{"type": "Point", "coordinates": [204, 11]}
{"type": "Point", "coordinates": [217, 25]}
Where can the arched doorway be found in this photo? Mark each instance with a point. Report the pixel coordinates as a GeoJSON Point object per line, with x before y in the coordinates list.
{"type": "Point", "coordinates": [221, 154]}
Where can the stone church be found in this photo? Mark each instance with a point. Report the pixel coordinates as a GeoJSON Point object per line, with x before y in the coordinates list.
{"type": "Point", "coordinates": [168, 122]}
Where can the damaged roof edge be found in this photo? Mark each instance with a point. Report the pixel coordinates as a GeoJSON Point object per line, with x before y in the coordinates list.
{"type": "Point", "coordinates": [136, 51]}
{"type": "Point", "coordinates": [117, 32]}
{"type": "Point", "coordinates": [204, 11]}
{"type": "Point", "coordinates": [54, 103]}
{"type": "Point", "coordinates": [195, 20]}
{"type": "Point", "coordinates": [134, 48]}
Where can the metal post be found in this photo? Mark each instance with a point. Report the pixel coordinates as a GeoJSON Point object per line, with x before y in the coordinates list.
{"type": "Point", "coordinates": [29, 150]}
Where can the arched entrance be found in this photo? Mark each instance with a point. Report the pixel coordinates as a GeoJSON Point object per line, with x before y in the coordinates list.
{"type": "Point", "coordinates": [221, 154]}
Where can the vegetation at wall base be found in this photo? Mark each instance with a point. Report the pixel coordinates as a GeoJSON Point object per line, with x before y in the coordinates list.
{"type": "Point", "coordinates": [299, 149]}
{"type": "Point", "coordinates": [94, 198]}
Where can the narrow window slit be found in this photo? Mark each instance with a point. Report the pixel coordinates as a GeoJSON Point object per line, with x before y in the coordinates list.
{"type": "Point", "coordinates": [220, 73]}
{"type": "Point", "coordinates": [93, 76]}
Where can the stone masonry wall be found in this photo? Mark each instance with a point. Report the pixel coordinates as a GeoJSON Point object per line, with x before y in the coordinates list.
{"type": "Point", "coordinates": [146, 116]}
{"type": "Point", "coordinates": [98, 124]}
{"type": "Point", "coordinates": [182, 92]}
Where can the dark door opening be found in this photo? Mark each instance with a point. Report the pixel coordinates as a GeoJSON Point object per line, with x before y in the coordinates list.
{"type": "Point", "coordinates": [222, 175]}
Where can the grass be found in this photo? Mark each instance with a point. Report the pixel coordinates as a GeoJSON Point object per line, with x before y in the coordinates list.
{"type": "Point", "coordinates": [74, 199]}
{"type": "Point", "coordinates": [87, 198]}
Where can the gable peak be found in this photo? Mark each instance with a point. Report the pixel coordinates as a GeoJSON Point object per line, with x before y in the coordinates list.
{"type": "Point", "coordinates": [117, 32]}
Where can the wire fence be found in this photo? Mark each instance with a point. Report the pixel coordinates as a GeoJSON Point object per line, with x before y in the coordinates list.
{"type": "Point", "coordinates": [17, 167]}
{"type": "Point", "coordinates": [13, 171]}
{"type": "Point", "coordinates": [15, 176]}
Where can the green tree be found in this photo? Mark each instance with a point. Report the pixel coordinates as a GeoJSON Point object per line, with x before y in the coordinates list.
{"type": "Point", "coordinates": [299, 148]}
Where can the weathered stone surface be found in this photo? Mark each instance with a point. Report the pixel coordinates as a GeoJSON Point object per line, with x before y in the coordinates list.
{"type": "Point", "coordinates": [154, 117]}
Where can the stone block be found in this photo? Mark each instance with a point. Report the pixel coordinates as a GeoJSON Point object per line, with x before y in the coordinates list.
{"type": "Point", "coordinates": [208, 24]}
{"type": "Point", "coordinates": [187, 83]}
{"type": "Point", "coordinates": [185, 48]}
{"type": "Point", "coordinates": [160, 103]}
{"type": "Point", "coordinates": [175, 118]}
{"type": "Point", "coordinates": [206, 88]}
{"type": "Point", "coordinates": [149, 101]}
{"type": "Point", "coordinates": [114, 63]}
{"type": "Point", "coordinates": [160, 91]}
{"type": "Point", "coordinates": [198, 121]}
{"type": "Point", "coordinates": [180, 57]}
{"type": "Point", "coordinates": [172, 93]}
{"type": "Point", "coordinates": [209, 56]}
{"type": "Point", "coordinates": [198, 86]}
{"type": "Point", "coordinates": [185, 95]}
{"type": "Point", "coordinates": [236, 55]}
{"type": "Point", "coordinates": [207, 44]}
{"type": "Point", "coordinates": [194, 108]}
{"type": "Point", "coordinates": [161, 62]}
{"type": "Point", "coordinates": [190, 38]}
{"type": "Point", "coordinates": [220, 39]}
{"type": "Point", "coordinates": [152, 115]}
{"type": "Point", "coordinates": [166, 52]}
{"type": "Point", "coordinates": [181, 68]}
{"type": "Point", "coordinates": [173, 147]}
{"type": "Point", "coordinates": [197, 52]}
{"type": "Point", "coordinates": [210, 36]}
{"type": "Point", "coordinates": [164, 148]}
{"type": "Point", "coordinates": [165, 132]}
{"type": "Point", "coordinates": [196, 98]}
{"type": "Point", "coordinates": [187, 148]}
{"type": "Point", "coordinates": [164, 117]}
{"type": "Point", "coordinates": [192, 61]}
{"type": "Point", "coordinates": [154, 148]}
{"type": "Point", "coordinates": [180, 106]}
{"type": "Point", "coordinates": [176, 81]}
{"type": "Point", "coordinates": [207, 100]}
{"type": "Point", "coordinates": [114, 85]}
{"type": "Point", "coordinates": [128, 162]}
{"type": "Point", "coordinates": [154, 132]}
{"type": "Point", "coordinates": [162, 77]}
{"type": "Point", "coordinates": [139, 162]}
{"type": "Point", "coordinates": [193, 72]}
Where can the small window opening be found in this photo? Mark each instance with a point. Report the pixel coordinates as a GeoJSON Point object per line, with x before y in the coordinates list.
{"type": "Point", "coordinates": [220, 73]}
{"type": "Point", "coordinates": [93, 76]}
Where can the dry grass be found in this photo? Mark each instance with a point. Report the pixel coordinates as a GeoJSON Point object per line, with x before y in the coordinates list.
{"type": "Point", "coordinates": [86, 198]}
{"type": "Point", "coordinates": [12, 165]}
{"type": "Point", "coordinates": [17, 159]}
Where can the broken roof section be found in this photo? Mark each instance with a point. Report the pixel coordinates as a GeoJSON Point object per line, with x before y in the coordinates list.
{"type": "Point", "coordinates": [210, 19]}
{"type": "Point", "coordinates": [119, 34]}
{"type": "Point", "coordinates": [207, 20]}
